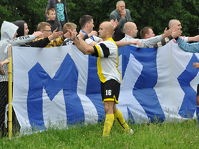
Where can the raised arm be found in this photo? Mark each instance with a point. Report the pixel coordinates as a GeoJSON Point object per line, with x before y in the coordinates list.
{"type": "Point", "coordinates": [194, 38]}
{"type": "Point", "coordinates": [22, 40]}
{"type": "Point", "coordinates": [125, 43]}
{"type": "Point", "coordinates": [157, 40]}
{"type": "Point", "coordinates": [188, 47]}
{"type": "Point", "coordinates": [81, 44]}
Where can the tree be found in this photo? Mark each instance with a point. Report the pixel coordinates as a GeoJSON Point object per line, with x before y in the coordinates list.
{"type": "Point", "coordinates": [155, 13]}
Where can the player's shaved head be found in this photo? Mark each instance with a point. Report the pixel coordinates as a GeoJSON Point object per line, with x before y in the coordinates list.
{"type": "Point", "coordinates": [106, 30]}
{"type": "Point", "coordinates": [108, 26]}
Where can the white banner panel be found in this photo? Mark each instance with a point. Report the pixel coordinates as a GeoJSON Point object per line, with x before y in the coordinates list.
{"type": "Point", "coordinates": [57, 87]}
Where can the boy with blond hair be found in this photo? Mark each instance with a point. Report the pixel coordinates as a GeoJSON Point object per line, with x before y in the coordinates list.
{"type": "Point", "coordinates": [69, 26]}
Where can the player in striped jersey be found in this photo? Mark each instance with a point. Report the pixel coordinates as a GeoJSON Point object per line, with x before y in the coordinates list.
{"type": "Point", "coordinates": [109, 75]}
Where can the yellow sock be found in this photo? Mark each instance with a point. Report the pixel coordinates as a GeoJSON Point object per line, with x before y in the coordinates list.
{"type": "Point", "coordinates": [121, 120]}
{"type": "Point", "coordinates": [108, 124]}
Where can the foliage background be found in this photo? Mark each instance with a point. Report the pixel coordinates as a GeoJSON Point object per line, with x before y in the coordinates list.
{"type": "Point", "coordinates": [155, 13]}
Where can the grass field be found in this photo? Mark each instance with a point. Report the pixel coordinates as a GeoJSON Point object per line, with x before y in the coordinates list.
{"type": "Point", "coordinates": [184, 135]}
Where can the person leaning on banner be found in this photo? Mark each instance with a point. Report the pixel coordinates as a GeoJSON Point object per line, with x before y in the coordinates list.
{"type": "Point", "coordinates": [176, 25]}
{"type": "Point", "coordinates": [109, 75]}
{"type": "Point", "coordinates": [8, 37]}
{"type": "Point", "coordinates": [146, 32]}
{"type": "Point", "coordinates": [193, 48]}
{"type": "Point", "coordinates": [130, 30]}
{"type": "Point", "coordinates": [56, 38]}
{"type": "Point", "coordinates": [122, 15]}
{"type": "Point", "coordinates": [46, 39]}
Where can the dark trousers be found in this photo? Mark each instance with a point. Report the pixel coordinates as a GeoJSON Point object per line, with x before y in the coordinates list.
{"type": "Point", "coordinates": [3, 103]}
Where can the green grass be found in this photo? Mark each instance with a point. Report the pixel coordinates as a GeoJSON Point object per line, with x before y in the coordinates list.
{"type": "Point", "coordinates": [184, 135]}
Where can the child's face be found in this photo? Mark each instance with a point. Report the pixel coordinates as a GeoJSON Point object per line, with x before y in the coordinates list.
{"type": "Point", "coordinates": [67, 34]}
{"type": "Point", "coordinates": [51, 15]}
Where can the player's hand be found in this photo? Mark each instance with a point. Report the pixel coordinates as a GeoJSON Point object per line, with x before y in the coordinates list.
{"type": "Point", "coordinates": [92, 33]}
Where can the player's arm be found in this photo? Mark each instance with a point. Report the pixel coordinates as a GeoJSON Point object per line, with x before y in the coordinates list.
{"type": "Point", "coordinates": [83, 46]}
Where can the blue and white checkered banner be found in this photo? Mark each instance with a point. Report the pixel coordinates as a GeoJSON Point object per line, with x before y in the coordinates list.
{"type": "Point", "coordinates": [57, 87]}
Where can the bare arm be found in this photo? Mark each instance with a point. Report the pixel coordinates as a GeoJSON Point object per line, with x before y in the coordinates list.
{"type": "Point", "coordinates": [125, 43]}
{"type": "Point", "coordinates": [82, 45]}
{"type": "Point", "coordinates": [195, 38]}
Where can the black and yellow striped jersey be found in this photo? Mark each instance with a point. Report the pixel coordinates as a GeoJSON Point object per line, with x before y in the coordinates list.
{"type": "Point", "coordinates": [107, 61]}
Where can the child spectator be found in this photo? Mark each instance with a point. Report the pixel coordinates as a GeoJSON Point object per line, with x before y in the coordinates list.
{"type": "Point", "coordinates": [51, 19]}
{"type": "Point", "coordinates": [69, 26]}
{"type": "Point", "coordinates": [60, 8]}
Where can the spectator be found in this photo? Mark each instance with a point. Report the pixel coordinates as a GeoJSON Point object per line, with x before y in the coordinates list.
{"type": "Point", "coordinates": [44, 40]}
{"type": "Point", "coordinates": [60, 8]}
{"type": "Point", "coordinates": [176, 25]}
{"type": "Point", "coordinates": [122, 15]}
{"type": "Point", "coordinates": [45, 28]}
{"type": "Point", "coordinates": [130, 30]}
{"type": "Point", "coordinates": [22, 28]}
{"type": "Point", "coordinates": [66, 28]}
{"type": "Point", "coordinates": [146, 32]}
{"type": "Point", "coordinates": [86, 22]}
{"type": "Point", "coordinates": [51, 19]}
{"type": "Point", "coordinates": [8, 34]}
{"type": "Point", "coordinates": [48, 38]}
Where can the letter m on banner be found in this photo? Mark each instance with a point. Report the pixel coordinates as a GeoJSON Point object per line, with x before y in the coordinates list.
{"type": "Point", "coordinates": [62, 85]}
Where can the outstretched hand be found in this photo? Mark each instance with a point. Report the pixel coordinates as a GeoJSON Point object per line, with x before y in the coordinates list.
{"type": "Point", "coordinates": [92, 33]}
{"type": "Point", "coordinates": [37, 34]}
{"type": "Point", "coordinates": [55, 35]}
{"type": "Point", "coordinates": [136, 42]}
{"type": "Point", "coordinates": [167, 32]}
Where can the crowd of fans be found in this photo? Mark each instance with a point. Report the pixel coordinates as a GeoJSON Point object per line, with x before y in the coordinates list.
{"type": "Point", "coordinates": [58, 31]}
